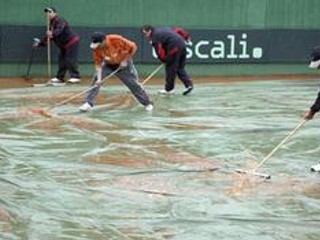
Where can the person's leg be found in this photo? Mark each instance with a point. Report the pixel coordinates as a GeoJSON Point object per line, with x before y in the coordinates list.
{"type": "Point", "coordinates": [129, 76]}
{"type": "Point", "coordinates": [62, 65]}
{"type": "Point", "coordinates": [181, 72]}
{"type": "Point", "coordinates": [171, 72]}
{"type": "Point", "coordinates": [72, 60]}
{"type": "Point", "coordinates": [94, 91]}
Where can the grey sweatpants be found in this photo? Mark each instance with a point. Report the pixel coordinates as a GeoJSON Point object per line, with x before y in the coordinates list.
{"type": "Point", "coordinates": [129, 76]}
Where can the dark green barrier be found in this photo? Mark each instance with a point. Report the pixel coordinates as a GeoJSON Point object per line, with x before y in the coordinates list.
{"type": "Point", "coordinates": [208, 46]}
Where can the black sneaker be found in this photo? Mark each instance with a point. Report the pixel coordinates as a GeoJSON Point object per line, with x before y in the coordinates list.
{"type": "Point", "coordinates": [186, 92]}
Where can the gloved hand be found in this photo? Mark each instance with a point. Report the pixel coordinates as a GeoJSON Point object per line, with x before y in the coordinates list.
{"type": "Point", "coordinates": [309, 115]}
{"type": "Point", "coordinates": [50, 34]}
{"type": "Point", "coordinates": [123, 64]}
{"type": "Point", "coordinates": [99, 77]}
{"type": "Point", "coordinates": [36, 42]}
{"type": "Point", "coordinates": [98, 83]}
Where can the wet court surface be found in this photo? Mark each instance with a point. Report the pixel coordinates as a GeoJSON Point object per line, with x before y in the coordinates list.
{"type": "Point", "coordinates": [120, 172]}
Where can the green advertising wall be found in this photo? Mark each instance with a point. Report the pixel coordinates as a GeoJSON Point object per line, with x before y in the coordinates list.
{"type": "Point", "coordinates": [218, 14]}
{"type": "Point", "coordinates": [196, 14]}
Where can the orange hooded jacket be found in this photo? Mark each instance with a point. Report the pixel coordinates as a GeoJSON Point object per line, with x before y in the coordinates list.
{"type": "Point", "coordinates": [116, 50]}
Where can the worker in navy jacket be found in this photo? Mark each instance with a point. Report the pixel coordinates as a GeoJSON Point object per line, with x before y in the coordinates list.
{"type": "Point", "coordinates": [315, 107]}
{"type": "Point", "coordinates": [314, 63]}
{"type": "Point", "coordinates": [68, 43]}
{"type": "Point", "coordinates": [170, 47]}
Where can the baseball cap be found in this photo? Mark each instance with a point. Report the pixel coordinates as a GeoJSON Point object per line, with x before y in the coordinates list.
{"type": "Point", "coordinates": [50, 10]}
{"type": "Point", "coordinates": [96, 39]}
{"type": "Point", "coordinates": [315, 58]}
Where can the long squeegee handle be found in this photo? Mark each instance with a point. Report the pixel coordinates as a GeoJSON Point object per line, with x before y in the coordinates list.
{"type": "Point", "coordinates": [152, 74]}
{"type": "Point", "coordinates": [281, 143]}
{"type": "Point", "coordinates": [83, 92]}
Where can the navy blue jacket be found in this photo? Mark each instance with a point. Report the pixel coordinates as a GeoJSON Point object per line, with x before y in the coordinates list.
{"type": "Point", "coordinates": [316, 106]}
{"type": "Point", "coordinates": [167, 42]}
{"type": "Point", "coordinates": [63, 36]}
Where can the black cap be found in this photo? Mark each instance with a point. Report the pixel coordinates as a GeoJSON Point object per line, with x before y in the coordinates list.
{"type": "Point", "coordinates": [315, 58]}
{"type": "Point", "coordinates": [315, 55]}
{"type": "Point", "coordinates": [97, 37]}
{"type": "Point", "coordinates": [147, 28]}
{"type": "Point", "coordinates": [50, 10]}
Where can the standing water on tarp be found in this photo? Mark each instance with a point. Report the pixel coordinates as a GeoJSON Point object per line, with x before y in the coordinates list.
{"type": "Point", "coordinates": [120, 172]}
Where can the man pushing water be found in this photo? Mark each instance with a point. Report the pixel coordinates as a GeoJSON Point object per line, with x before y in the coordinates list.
{"type": "Point", "coordinates": [315, 63]}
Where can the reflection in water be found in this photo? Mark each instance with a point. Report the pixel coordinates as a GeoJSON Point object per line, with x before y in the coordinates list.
{"type": "Point", "coordinates": [184, 126]}
{"type": "Point", "coordinates": [162, 156]}
{"type": "Point", "coordinates": [121, 101]}
{"type": "Point", "coordinates": [52, 122]}
{"type": "Point", "coordinates": [122, 173]}
{"type": "Point", "coordinates": [52, 99]}
{"type": "Point", "coordinates": [5, 224]}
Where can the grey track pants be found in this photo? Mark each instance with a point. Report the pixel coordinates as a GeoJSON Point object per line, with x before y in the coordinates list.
{"type": "Point", "coordinates": [129, 76]}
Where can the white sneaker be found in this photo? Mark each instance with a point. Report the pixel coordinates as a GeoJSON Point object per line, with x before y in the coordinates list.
{"type": "Point", "coordinates": [55, 80]}
{"type": "Point", "coordinates": [316, 168]}
{"type": "Point", "coordinates": [85, 107]}
{"type": "Point", "coordinates": [165, 92]}
{"type": "Point", "coordinates": [149, 107]}
{"type": "Point", "coordinates": [74, 80]}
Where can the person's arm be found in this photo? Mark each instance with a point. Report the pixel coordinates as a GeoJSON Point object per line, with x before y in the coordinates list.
{"type": "Point", "coordinates": [316, 106]}
{"type": "Point", "coordinates": [98, 63]}
{"type": "Point", "coordinates": [160, 51]}
{"type": "Point", "coordinates": [313, 109]}
{"type": "Point", "coordinates": [128, 50]}
{"type": "Point", "coordinates": [165, 53]}
{"type": "Point", "coordinates": [58, 25]}
{"type": "Point", "coordinates": [183, 33]}
{"type": "Point", "coordinates": [41, 43]}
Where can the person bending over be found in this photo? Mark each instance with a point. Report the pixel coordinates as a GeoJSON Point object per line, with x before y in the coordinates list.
{"type": "Point", "coordinates": [114, 53]}
{"type": "Point", "coordinates": [315, 107]}
{"type": "Point", "coordinates": [170, 47]}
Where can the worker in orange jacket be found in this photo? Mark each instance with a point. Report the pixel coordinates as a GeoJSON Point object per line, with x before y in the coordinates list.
{"type": "Point", "coordinates": [114, 53]}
